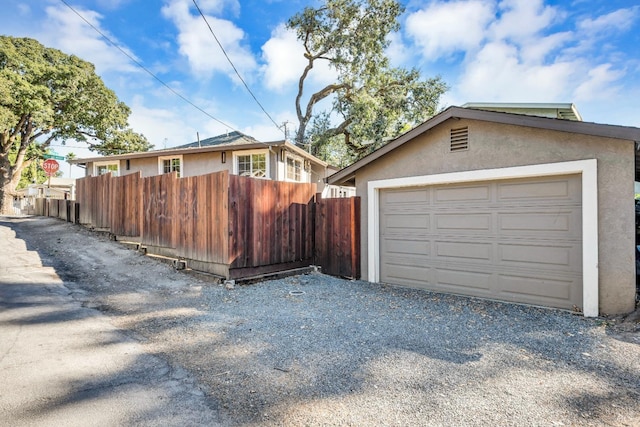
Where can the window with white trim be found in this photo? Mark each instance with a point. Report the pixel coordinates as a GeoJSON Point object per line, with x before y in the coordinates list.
{"type": "Point", "coordinates": [294, 169]}
{"type": "Point", "coordinates": [252, 164]}
{"type": "Point", "coordinates": [101, 168]}
{"type": "Point", "coordinates": [168, 164]}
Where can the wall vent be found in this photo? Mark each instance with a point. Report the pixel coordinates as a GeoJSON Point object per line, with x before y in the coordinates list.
{"type": "Point", "coordinates": [459, 139]}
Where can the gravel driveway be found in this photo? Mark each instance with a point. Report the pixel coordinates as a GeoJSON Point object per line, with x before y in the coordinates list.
{"type": "Point", "coordinates": [318, 350]}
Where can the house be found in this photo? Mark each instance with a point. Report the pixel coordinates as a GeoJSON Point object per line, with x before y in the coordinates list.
{"type": "Point", "coordinates": [236, 152]}
{"type": "Point", "coordinates": [505, 206]}
{"type": "Point", "coordinates": [55, 188]}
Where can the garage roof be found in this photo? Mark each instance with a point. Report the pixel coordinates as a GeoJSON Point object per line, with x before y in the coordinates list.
{"type": "Point", "coordinates": [556, 110]}
{"type": "Point", "coordinates": [346, 176]}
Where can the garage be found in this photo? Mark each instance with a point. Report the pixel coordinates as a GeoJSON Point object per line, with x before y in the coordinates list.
{"type": "Point", "coordinates": [512, 240]}
{"type": "Point", "coordinates": [522, 203]}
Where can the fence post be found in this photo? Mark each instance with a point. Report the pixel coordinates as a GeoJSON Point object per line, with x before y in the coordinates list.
{"type": "Point", "coordinates": [314, 226]}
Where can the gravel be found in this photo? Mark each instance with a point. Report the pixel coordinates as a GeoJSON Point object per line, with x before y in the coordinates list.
{"type": "Point", "coordinates": [319, 350]}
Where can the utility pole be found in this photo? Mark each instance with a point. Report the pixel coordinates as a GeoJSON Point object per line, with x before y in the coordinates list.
{"type": "Point", "coordinates": [286, 130]}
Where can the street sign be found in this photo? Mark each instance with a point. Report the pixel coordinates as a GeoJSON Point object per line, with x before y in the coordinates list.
{"type": "Point", "coordinates": [50, 167]}
{"type": "Point", "coordinates": [53, 156]}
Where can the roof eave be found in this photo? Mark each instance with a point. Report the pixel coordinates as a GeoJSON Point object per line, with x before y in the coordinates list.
{"type": "Point", "coordinates": [177, 151]}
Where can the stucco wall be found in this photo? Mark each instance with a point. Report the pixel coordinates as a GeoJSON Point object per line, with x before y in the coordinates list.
{"type": "Point", "coordinates": [497, 146]}
{"type": "Point", "coordinates": [205, 163]}
{"type": "Point", "coordinates": [148, 166]}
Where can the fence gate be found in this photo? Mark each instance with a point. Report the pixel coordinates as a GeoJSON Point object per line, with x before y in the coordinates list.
{"type": "Point", "coordinates": [337, 236]}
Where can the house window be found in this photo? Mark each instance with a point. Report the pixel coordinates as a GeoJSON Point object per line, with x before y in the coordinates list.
{"type": "Point", "coordinates": [254, 165]}
{"type": "Point", "coordinates": [102, 168]}
{"type": "Point", "coordinates": [294, 169]}
{"type": "Point", "coordinates": [170, 164]}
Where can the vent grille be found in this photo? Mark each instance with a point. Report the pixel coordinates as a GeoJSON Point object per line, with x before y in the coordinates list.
{"type": "Point", "coordinates": [459, 139]}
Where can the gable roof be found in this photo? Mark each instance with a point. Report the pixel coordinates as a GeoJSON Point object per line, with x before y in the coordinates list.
{"type": "Point", "coordinates": [229, 138]}
{"type": "Point", "coordinates": [567, 111]}
{"type": "Point", "coordinates": [347, 175]}
{"type": "Point", "coordinates": [231, 141]}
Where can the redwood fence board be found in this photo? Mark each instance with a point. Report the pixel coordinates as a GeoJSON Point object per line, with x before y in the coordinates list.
{"type": "Point", "coordinates": [159, 217]}
{"type": "Point", "coordinates": [337, 236]}
{"type": "Point", "coordinates": [125, 205]}
{"type": "Point", "coordinates": [267, 221]}
{"type": "Point", "coordinates": [251, 226]}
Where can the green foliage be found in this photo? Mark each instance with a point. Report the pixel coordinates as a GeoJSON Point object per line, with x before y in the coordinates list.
{"type": "Point", "coordinates": [31, 173]}
{"type": "Point", "coordinates": [372, 102]}
{"type": "Point", "coordinates": [330, 148]}
{"type": "Point", "coordinates": [47, 95]}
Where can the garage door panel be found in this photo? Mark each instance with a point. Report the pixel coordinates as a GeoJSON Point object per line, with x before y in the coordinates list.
{"type": "Point", "coordinates": [462, 222]}
{"type": "Point", "coordinates": [559, 257]}
{"type": "Point", "coordinates": [566, 220]}
{"type": "Point", "coordinates": [556, 189]}
{"type": "Point", "coordinates": [404, 222]}
{"type": "Point", "coordinates": [453, 251]}
{"type": "Point", "coordinates": [408, 247]}
{"type": "Point", "coordinates": [405, 196]}
{"type": "Point", "coordinates": [517, 240]}
{"type": "Point", "coordinates": [456, 281]}
{"type": "Point", "coordinates": [555, 292]}
{"type": "Point", "coordinates": [462, 194]}
{"type": "Point", "coordinates": [407, 275]}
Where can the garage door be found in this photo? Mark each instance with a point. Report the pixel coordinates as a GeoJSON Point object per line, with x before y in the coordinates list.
{"type": "Point", "coordinates": [516, 240]}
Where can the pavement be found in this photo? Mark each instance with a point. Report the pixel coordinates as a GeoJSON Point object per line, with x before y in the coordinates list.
{"type": "Point", "coordinates": [65, 365]}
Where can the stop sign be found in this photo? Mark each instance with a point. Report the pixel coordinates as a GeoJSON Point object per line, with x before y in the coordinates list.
{"type": "Point", "coordinates": [50, 166]}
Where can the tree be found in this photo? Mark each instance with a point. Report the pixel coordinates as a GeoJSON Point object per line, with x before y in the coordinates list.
{"type": "Point", "coordinates": [372, 102]}
{"type": "Point", "coordinates": [69, 158]}
{"type": "Point", "coordinates": [47, 95]}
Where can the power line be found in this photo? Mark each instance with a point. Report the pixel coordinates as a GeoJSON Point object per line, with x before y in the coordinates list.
{"type": "Point", "coordinates": [145, 69]}
{"type": "Point", "coordinates": [233, 65]}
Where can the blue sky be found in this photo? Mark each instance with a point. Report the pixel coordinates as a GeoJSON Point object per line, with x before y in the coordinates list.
{"type": "Point", "coordinates": [582, 51]}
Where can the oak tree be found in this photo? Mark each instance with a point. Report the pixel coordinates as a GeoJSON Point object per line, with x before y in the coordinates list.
{"type": "Point", "coordinates": [46, 96]}
{"type": "Point", "coordinates": [371, 101]}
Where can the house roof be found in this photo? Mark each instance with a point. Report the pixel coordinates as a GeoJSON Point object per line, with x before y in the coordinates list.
{"type": "Point", "coordinates": [567, 111]}
{"type": "Point", "coordinates": [229, 138]}
{"type": "Point", "coordinates": [230, 141]}
{"type": "Point", "coordinates": [346, 176]}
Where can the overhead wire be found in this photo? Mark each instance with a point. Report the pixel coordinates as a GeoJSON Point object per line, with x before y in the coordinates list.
{"type": "Point", "coordinates": [204, 18]}
{"type": "Point", "coordinates": [135, 61]}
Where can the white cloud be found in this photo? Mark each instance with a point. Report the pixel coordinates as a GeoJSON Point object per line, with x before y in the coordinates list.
{"type": "Point", "coordinates": [521, 19]}
{"type": "Point", "coordinates": [217, 7]}
{"type": "Point", "coordinates": [602, 82]}
{"type": "Point", "coordinates": [618, 20]}
{"type": "Point", "coordinates": [285, 62]}
{"type": "Point", "coordinates": [284, 56]}
{"type": "Point", "coordinates": [536, 50]}
{"type": "Point", "coordinates": [161, 126]}
{"type": "Point", "coordinates": [527, 52]}
{"type": "Point", "coordinates": [199, 46]}
{"type": "Point", "coordinates": [66, 31]}
{"type": "Point", "coordinates": [397, 51]}
{"type": "Point", "coordinates": [441, 28]}
{"type": "Point", "coordinates": [497, 74]}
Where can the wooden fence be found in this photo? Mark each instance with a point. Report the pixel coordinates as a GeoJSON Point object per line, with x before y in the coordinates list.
{"type": "Point", "coordinates": [225, 224]}
{"type": "Point", "coordinates": [66, 210]}
{"type": "Point", "coordinates": [337, 236]}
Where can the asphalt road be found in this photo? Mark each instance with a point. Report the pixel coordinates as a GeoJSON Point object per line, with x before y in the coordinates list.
{"type": "Point", "coordinates": [62, 364]}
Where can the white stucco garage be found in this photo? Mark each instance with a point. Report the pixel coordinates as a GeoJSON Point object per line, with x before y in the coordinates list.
{"type": "Point", "coordinates": [505, 206]}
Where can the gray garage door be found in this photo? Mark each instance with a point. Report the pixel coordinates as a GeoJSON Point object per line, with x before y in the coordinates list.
{"type": "Point", "coordinates": [516, 240]}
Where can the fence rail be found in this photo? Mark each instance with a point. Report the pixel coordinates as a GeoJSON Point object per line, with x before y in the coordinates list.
{"type": "Point", "coordinates": [226, 224]}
